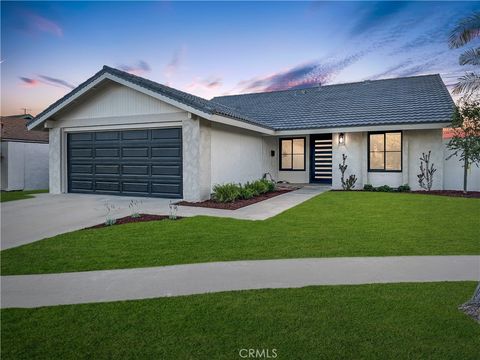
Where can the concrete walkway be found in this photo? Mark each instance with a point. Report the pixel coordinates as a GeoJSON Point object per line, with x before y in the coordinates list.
{"type": "Point", "coordinates": [113, 285]}
{"type": "Point", "coordinates": [46, 215]}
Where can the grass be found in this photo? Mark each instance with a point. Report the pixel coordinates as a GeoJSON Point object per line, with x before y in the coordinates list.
{"type": "Point", "coordinates": [19, 195]}
{"type": "Point", "coordinates": [388, 321]}
{"type": "Point", "coordinates": [329, 225]}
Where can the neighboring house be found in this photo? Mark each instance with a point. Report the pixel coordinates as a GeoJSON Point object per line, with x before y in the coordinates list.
{"type": "Point", "coordinates": [118, 133]}
{"type": "Point", "coordinates": [24, 155]}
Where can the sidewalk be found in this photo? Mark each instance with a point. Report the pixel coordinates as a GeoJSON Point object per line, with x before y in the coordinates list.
{"type": "Point", "coordinates": [114, 285]}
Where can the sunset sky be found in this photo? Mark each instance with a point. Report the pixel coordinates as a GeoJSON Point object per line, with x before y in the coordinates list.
{"type": "Point", "coordinates": [216, 48]}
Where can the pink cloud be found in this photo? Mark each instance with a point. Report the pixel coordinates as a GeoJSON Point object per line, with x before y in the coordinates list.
{"type": "Point", "coordinates": [29, 82]}
{"type": "Point", "coordinates": [175, 62]}
{"type": "Point", "coordinates": [140, 68]}
{"type": "Point", "coordinates": [39, 23]}
{"type": "Point", "coordinates": [208, 83]}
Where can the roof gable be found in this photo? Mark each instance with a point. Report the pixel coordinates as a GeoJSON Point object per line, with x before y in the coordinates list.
{"type": "Point", "coordinates": [182, 100]}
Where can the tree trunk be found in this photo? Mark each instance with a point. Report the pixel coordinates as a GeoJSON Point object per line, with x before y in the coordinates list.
{"type": "Point", "coordinates": [465, 173]}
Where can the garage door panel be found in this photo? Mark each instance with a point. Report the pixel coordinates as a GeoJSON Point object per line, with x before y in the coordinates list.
{"type": "Point", "coordinates": [166, 170]}
{"type": "Point", "coordinates": [167, 134]}
{"type": "Point", "coordinates": [82, 169]}
{"type": "Point", "coordinates": [82, 184]}
{"type": "Point", "coordinates": [81, 136]}
{"type": "Point", "coordinates": [131, 162]}
{"type": "Point", "coordinates": [165, 188]}
{"type": "Point", "coordinates": [107, 152]}
{"type": "Point", "coordinates": [135, 152]}
{"type": "Point", "coordinates": [135, 135]}
{"type": "Point", "coordinates": [107, 135]}
{"type": "Point", "coordinates": [135, 169]}
{"type": "Point", "coordinates": [107, 186]}
{"type": "Point", "coordinates": [166, 151]}
{"type": "Point", "coordinates": [81, 153]}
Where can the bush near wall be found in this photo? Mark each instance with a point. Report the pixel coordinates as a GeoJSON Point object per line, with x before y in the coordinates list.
{"type": "Point", "coordinates": [386, 188]}
{"type": "Point", "coordinates": [230, 192]}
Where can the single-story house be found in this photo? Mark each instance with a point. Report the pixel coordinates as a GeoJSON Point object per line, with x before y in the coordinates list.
{"type": "Point", "coordinates": [118, 133]}
{"type": "Point", "coordinates": [24, 155]}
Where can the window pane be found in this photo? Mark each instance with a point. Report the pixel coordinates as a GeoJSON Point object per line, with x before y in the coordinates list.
{"type": "Point", "coordinates": [298, 162]}
{"type": "Point", "coordinates": [394, 141]}
{"type": "Point", "coordinates": [298, 146]}
{"type": "Point", "coordinates": [286, 147]}
{"type": "Point", "coordinates": [286, 161]}
{"type": "Point", "coordinates": [376, 160]}
{"type": "Point", "coordinates": [393, 161]}
{"type": "Point", "coordinates": [376, 142]}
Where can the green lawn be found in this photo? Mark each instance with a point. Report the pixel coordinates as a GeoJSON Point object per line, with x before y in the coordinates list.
{"type": "Point", "coordinates": [18, 195]}
{"type": "Point", "coordinates": [332, 224]}
{"type": "Point", "coordinates": [389, 321]}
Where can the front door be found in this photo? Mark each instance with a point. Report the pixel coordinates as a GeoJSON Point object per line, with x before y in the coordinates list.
{"type": "Point", "coordinates": [321, 158]}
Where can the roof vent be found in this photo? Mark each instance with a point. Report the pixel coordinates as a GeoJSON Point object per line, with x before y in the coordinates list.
{"type": "Point", "coordinates": [366, 82]}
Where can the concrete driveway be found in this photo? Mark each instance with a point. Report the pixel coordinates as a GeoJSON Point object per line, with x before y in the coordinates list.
{"type": "Point", "coordinates": [46, 215]}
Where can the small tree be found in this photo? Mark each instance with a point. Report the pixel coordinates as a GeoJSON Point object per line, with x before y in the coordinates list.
{"type": "Point", "coordinates": [425, 178]}
{"type": "Point", "coordinates": [465, 142]}
{"type": "Point", "coordinates": [352, 179]}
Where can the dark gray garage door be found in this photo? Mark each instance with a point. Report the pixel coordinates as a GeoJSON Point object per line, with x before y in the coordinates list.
{"type": "Point", "coordinates": [130, 162]}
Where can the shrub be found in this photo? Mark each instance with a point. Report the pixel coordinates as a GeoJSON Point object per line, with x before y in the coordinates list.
{"type": "Point", "coordinates": [226, 192]}
{"type": "Point", "coordinates": [384, 188]}
{"type": "Point", "coordinates": [368, 187]}
{"type": "Point", "coordinates": [260, 186]}
{"type": "Point", "coordinates": [403, 188]}
{"type": "Point", "coordinates": [269, 184]}
{"type": "Point", "coordinates": [247, 193]}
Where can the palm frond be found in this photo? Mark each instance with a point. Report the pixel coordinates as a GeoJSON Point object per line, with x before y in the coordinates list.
{"type": "Point", "coordinates": [470, 57]}
{"type": "Point", "coordinates": [468, 84]}
{"type": "Point", "coordinates": [465, 31]}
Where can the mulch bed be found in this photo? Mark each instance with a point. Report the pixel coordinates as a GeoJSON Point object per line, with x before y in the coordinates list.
{"type": "Point", "coordinates": [129, 219]}
{"type": "Point", "coordinates": [236, 204]}
{"type": "Point", "coordinates": [454, 193]}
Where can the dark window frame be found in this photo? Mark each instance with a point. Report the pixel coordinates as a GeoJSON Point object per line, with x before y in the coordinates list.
{"type": "Point", "coordinates": [304, 153]}
{"type": "Point", "coordinates": [384, 133]}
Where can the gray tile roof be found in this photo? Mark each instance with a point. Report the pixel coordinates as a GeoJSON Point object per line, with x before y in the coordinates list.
{"type": "Point", "coordinates": [420, 99]}
{"type": "Point", "coordinates": [410, 100]}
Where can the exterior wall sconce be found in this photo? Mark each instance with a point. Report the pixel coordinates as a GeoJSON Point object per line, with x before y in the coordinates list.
{"type": "Point", "coordinates": [272, 153]}
{"type": "Point", "coordinates": [341, 139]}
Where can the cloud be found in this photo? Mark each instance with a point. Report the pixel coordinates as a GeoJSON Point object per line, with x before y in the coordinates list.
{"type": "Point", "coordinates": [34, 23]}
{"type": "Point", "coordinates": [46, 80]}
{"type": "Point", "coordinates": [140, 68]}
{"type": "Point", "coordinates": [391, 71]}
{"type": "Point", "coordinates": [375, 14]}
{"type": "Point", "coordinates": [207, 84]}
{"type": "Point", "coordinates": [29, 82]}
{"type": "Point", "coordinates": [300, 76]}
{"type": "Point", "coordinates": [175, 62]}
{"type": "Point", "coordinates": [54, 81]}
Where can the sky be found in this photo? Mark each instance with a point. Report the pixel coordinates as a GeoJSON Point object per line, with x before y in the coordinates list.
{"type": "Point", "coordinates": [219, 48]}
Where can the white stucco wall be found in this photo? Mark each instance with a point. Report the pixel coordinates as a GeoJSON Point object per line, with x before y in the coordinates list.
{"type": "Point", "coordinates": [24, 166]}
{"type": "Point", "coordinates": [237, 155]}
{"type": "Point", "coordinates": [453, 174]}
{"type": "Point", "coordinates": [414, 143]}
{"type": "Point", "coordinates": [3, 165]}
